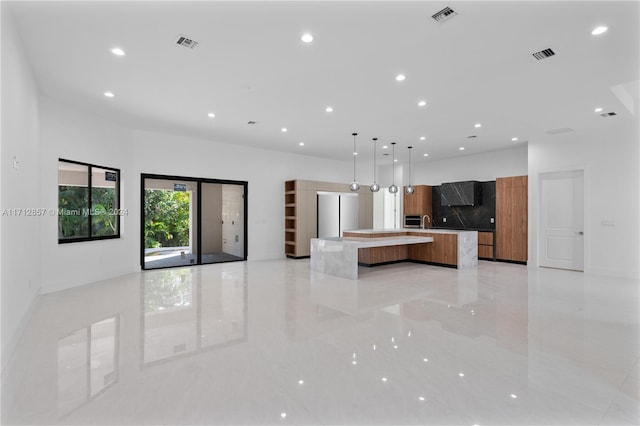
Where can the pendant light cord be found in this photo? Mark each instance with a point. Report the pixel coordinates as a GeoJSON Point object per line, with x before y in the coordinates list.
{"type": "Point", "coordinates": [393, 164]}
{"type": "Point", "coordinates": [354, 156]}
{"type": "Point", "coordinates": [410, 165]}
{"type": "Point", "coordinates": [374, 159]}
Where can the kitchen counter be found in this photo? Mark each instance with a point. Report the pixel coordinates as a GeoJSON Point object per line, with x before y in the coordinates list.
{"type": "Point", "coordinates": [370, 247]}
{"type": "Point", "coordinates": [366, 232]}
{"type": "Point", "coordinates": [339, 256]}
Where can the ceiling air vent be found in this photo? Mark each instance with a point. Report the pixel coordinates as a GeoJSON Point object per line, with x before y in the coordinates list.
{"type": "Point", "coordinates": [608, 114]}
{"type": "Point", "coordinates": [559, 131]}
{"type": "Point", "coordinates": [186, 42]}
{"type": "Point", "coordinates": [543, 54]}
{"type": "Point", "coordinates": [444, 14]}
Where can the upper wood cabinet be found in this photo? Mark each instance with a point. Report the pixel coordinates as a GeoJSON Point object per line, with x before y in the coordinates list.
{"type": "Point", "coordinates": [418, 203]}
{"type": "Point", "coordinates": [511, 218]}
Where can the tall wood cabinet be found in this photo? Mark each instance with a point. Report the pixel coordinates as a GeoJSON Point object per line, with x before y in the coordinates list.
{"type": "Point", "coordinates": [511, 218]}
{"type": "Point", "coordinates": [301, 212]}
{"type": "Point", "coordinates": [418, 203]}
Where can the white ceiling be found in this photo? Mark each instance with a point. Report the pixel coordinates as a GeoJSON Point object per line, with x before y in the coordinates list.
{"type": "Point", "coordinates": [250, 64]}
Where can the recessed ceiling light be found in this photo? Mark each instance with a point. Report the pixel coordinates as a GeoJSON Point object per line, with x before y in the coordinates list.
{"type": "Point", "coordinates": [400, 77]}
{"type": "Point", "coordinates": [599, 30]}
{"type": "Point", "coordinates": [422, 138]}
{"type": "Point", "coordinates": [395, 161]}
{"type": "Point", "coordinates": [422, 103]}
{"type": "Point", "coordinates": [461, 374]}
{"type": "Point", "coordinates": [598, 109]}
{"type": "Point", "coordinates": [385, 146]}
{"type": "Point", "coordinates": [425, 155]}
{"type": "Point", "coordinates": [211, 115]}
{"type": "Point", "coordinates": [461, 148]}
{"type": "Point", "coordinates": [283, 415]}
{"type": "Point", "coordinates": [514, 139]}
{"type": "Point", "coordinates": [355, 153]}
{"type": "Point", "coordinates": [513, 395]}
{"type": "Point", "coordinates": [307, 38]}
{"type": "Point", "coordinates": [117, 51]}
{"type": "Point", "coordinates": [301, 144]}
{"type": "Point", "coordinates": [477, 125]}
{"type": "Point", "coordinates": [329, 109]}
{"type": "Point", "coordinates": [284, 129]}
{"type": "Point", "coordinates": [109, 94]}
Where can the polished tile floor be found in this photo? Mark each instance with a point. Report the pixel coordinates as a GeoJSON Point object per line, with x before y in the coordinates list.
{"type": "Point", "coordinates": [272, 343]}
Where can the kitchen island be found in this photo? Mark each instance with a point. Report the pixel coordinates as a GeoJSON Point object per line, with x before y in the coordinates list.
{"type": "Point", "coordinates": [370, 247]}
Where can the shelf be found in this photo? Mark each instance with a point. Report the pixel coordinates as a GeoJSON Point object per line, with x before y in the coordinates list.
{"type": "Point", "coordinates": [290, 217]}
{"type": "Point", "coordinates": [290, 205]}
{"type": "Point", "coordinates": [290, 243]}
{"type": "Point", "coordinates": [289, 192]}
{"type": "Point", "coordinates": [290, 230]}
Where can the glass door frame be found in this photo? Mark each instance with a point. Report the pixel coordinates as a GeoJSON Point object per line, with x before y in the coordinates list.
{"type": "Point", "coordinates": [198, 214]}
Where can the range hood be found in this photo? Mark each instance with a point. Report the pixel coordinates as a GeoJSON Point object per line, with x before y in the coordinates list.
{"type": "Point", "coordinates": [468, 193]}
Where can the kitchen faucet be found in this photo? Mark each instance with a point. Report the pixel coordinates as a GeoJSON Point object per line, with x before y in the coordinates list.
{"type": "Point", "coordinates": [423, 222]}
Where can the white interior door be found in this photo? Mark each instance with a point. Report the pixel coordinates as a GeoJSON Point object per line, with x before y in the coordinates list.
{"type": "Point", "coordinates": [562, 220]}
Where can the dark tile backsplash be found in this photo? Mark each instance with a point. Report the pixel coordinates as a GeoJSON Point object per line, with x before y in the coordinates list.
{"type": "Point", "coordinates": [463, 217]}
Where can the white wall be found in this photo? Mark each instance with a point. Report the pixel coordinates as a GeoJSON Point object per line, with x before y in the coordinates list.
{"type": "Point", "coordinates": [609, 156]}
{"type": "Point", "coordinates": [265, 172]}
{"type": "Point", "coordinates": [482, 167]}
{"type": "Point", "coordinates": [72, 134]}
{"type": "Point", "coordinates": [69, 133]}
{"type": "Point", "coordinates": [20, 261]}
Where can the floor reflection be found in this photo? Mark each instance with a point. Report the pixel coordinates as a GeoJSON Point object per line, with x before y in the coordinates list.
{"type": "Point", "coordinates": [182, 314]}
{"type": "Point", "coordinates": [404, 344]}
{"type": "Point", "coordinates": [87, 363]}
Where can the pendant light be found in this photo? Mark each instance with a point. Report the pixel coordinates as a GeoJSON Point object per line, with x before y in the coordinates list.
{"type": "Point", "coordinates": [355, 186]}
{"type": "Point", "coordinates": [374, 186]}
{"type": "Point", "coordinates": [393, 188]}
{"type": "Point", "coordinates": [409, 189]}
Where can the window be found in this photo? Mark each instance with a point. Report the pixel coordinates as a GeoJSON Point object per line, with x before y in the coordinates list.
{"type": "Point", "coordinates": [88, 202]}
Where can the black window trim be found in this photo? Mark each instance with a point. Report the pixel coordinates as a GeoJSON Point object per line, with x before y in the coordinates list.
{"type": "Point", "coordinates": [90, 200]}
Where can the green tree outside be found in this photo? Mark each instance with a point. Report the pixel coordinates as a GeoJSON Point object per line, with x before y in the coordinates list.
{"type": "Point", "coordinates": [166, 218]}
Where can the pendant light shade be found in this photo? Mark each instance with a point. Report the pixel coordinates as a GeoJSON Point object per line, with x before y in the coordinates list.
{"type": "Point", "coordinates": [374, 186]}
{"type": "Point", "coordinates": [355, 186]}
{"type": "Point", "coordinates": [393, 188]}
{"type": "Point", "coordinates": [409, 189]}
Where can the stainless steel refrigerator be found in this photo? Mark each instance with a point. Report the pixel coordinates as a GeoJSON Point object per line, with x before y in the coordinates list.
{"type": "Point", "coordinates": [337, 212]}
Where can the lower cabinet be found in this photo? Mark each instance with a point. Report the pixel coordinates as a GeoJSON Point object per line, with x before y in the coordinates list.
{"type": "Point", "coordinates": [443, 249]}
{"type": "Point", "coordinates": [486, 245]}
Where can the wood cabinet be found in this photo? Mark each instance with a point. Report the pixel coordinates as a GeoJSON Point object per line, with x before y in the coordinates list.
{"type": "Point", "coordinates": [443, 250]}
{"type": "Point", "coordinates": [418, 203]}
{"type": "Point", "coordinates": [486, 245]}
{"type": "Point", "coordinates": [511, 219]}
{"type": "Point", "coordinates": [301, 213]}
{"type": "Point", "coordinates": [300, 218]}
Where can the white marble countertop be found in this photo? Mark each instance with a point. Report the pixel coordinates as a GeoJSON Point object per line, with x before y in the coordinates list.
{"type": "Point", "coordinates": [380, 242]}
{"type": "Point", "coordinates": [417, 230]}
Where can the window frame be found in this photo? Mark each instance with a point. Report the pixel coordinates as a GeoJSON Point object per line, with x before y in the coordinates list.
{"type": "Point", "coordinates": [90, 168]}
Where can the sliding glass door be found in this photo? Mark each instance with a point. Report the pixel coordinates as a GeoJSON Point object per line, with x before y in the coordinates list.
{"type": "Point", "coordinates": [223, 222]}
{"type": "Point", "coordinates": [192, 221]}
